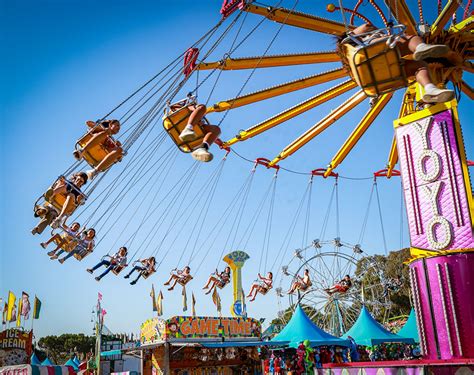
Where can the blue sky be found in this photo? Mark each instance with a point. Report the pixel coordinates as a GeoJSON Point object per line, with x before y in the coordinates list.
{"type": "Point", "coordinates": [67, 62]}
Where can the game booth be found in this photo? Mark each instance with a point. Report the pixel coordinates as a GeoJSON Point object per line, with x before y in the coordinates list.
{"type": "Point", "coordinates": [201, 345]}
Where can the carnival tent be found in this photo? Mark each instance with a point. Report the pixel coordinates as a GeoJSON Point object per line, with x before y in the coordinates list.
{"type": "Point", "coordinates": [37, 370]}
{"type": "Point", "coordinates": [34, 360]}
{"type": "Point", "coordinates": [72, 364]}
{"type": "Point", "coordinates": [367, 331]}
{"type": "Point", "coordinates": [410, 329]}
{"type": "Point", "coordinates": [47, 362]}
{"type": "Point", "coordinates": [300, 328]}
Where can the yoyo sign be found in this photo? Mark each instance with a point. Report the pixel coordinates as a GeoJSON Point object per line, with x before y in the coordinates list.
{"type": "Point", "coordinates": [435, 179]}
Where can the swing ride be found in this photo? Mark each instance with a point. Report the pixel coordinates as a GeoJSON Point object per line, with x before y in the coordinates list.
{"type": "Point", "coordinates": [371, 65]}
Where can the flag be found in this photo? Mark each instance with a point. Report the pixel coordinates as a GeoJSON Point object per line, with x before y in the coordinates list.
{"type": "Point", "coordinates": [99, 296]}
{"type": "Point", "coordinates": [26, 307]}
{"type": "Point", "coordinates": [153, 299]}
{"type": "Point", "coordinates": [36, 308]}
{"type": "Point", "coordinates": [20, 308]}
{"type": "Point", "coordinates": [13, 317]}
{"type": "Point", "coordinates": [217, 300]}
{"type": "Point", "coordinates": [159, 304]}
{"type": "Point", "coordinates": [185, 299]}
{"type": "Point", "coordinates": [4, 313]}
{"type": "Point", "coordinates": [193, 304]}
{"type": "Point", "coordinates": [11, 304]}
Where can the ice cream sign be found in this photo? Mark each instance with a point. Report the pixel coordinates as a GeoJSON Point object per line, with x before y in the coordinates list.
{"type": "Point", "coordinates": [435, 178]}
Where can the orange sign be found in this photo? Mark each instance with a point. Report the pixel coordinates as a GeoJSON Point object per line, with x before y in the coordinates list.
{"type": "Point", "coordinates": [208, 327]}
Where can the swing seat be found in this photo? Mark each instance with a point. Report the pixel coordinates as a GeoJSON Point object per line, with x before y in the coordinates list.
{"type": "Point", "coordinates": [146, 274]}
{"type": "Point", "coordinates": [175, 120]}
{"type": "Point", "coordinates": [223, 284]}
{"type": "Point", "coordinates": [264, 289]}
{"type": "Point", "coordinates": [58, 200]}
{"type": "Point", "coordinates": [184, 280]}
{"type": "Point", "coordinates": [66, 244]}
{"type": "Point", "coordinates": [117, 269]}
{"type": "Point", "coordinates": [375, 67]}
{"type": "Point", "coordinates": [94, 155]}
{"type": "Point", "coordinates": [81, 255]}
{"type": "Point", "coordinates": [305, 287]}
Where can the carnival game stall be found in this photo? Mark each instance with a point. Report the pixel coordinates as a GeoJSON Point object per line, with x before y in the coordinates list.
{"type": "Point", "coordinates": [201, 345]}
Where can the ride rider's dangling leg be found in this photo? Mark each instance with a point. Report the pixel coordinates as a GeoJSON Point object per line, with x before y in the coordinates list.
{"type": "Point", "coordinates": [201, 153]}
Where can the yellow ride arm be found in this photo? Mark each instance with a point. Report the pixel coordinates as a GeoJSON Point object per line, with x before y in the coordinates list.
{"type": "Point", "coordinates": [320, 126]}
{"type": "Point", "coordinates": [406, 108]}
{"type": "Point", "coordinates": [468, 66]}
{"type": "Point", "coordinates": [404, 15]}
{"type": "Point", "coordinates": [466, 89]}
{"type": "Point", "coordinates": [298, 19]}
{"type": "Point", "coordinates": [271, 61]}
{"type": "Point", "coordinates": [278, 90]}
{"type": "Point", "coordinates": [443, 18]}
{"type": "Point", "coordinates": [392, 157]}
{"type": "Point", "coordinates": [293, 112]}
{"type": "Point", "coordinates": [358, 132]}
{"type": "Point", "coordinates": [463, 26]}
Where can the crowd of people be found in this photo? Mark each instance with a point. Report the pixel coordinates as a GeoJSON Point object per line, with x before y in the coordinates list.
{"type": "Point", "coordinates": [305, 358]}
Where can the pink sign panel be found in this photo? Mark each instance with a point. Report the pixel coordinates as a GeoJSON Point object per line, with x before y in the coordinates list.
{"type": "Point", "coordinates": [433, 183]}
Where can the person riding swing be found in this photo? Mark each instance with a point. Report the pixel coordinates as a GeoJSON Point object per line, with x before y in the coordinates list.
{"type": "Point", "coordinates": [262, 286]}
{"type": "Point", "coordinates": [341, 287]}
{"type": "Point", "coordinates": [47, 213]}
{"type": "Point", "coordinates": [146, 269]}
{"type": "Point", "coordinates": [301, 283]}
{"type": "Point", "coordinates": [100, 135]}
{"type": "Point", "coordinates": [187, 126]}
{"type": "Point", "coordinates": [118, 260]}
{"type": "Point", "coordinates": [367, 34]}
{"type": "Point", "coordinates": [66, 240]}
{"type": "Point", "coordinates": [217, 279]}
{"type": "Point", "coordinates": [85, 246]}
{"type": "Point", "coordinates": [70, 191]}
{"type": "Point", "coordinates": [181, 277]}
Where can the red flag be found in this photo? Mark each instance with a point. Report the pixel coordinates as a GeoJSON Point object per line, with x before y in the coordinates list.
{"type": "Point", "coordinates": [99, 296]}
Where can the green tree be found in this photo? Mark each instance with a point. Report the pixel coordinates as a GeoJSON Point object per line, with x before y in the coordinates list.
{"type": "Point", "coordinates": [60, 348]}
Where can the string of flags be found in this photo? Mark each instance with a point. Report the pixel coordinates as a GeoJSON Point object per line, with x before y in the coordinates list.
{"type": "Point", "coordinates": [13, 310]}
{"type": "Point", "coordinates": [157, 301]}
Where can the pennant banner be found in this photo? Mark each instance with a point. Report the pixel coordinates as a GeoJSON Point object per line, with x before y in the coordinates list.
{"type": "Point", "coordinates": [26, 307]}
{"type": "Point", "coordinates": [20, 308]}
{"type": "Point", "coordinates": [36, 308]}
{"type": "Point", "coordinates": [153, 299]}
{"type": "Point", "coordinates": [185, 299]}
{"type": "Point", "coordinates": [4, 313]}
{"type": "Point", "coordinates": [217, 300]}
{"type": "Point", "coordinates": [11, 306]}
{"type": "Point", "coordinates": [159, 304]}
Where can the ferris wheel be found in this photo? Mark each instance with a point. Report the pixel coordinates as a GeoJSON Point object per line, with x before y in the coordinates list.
{"type": "Point", "coordinates": [328, 262]}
